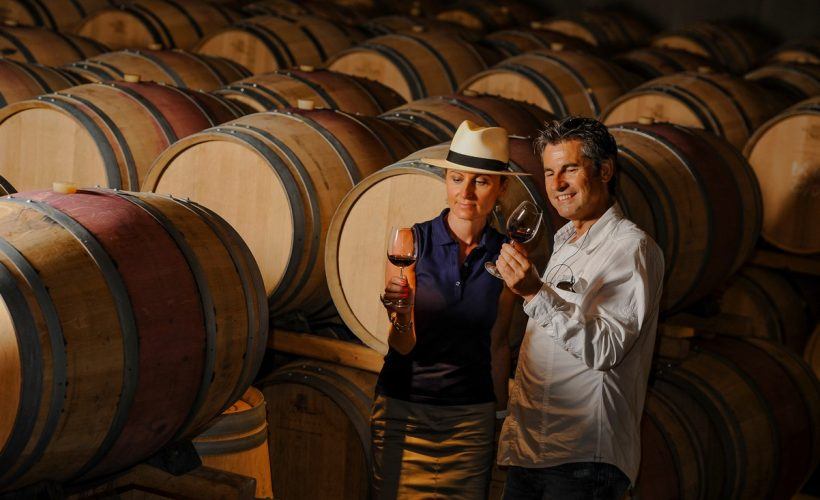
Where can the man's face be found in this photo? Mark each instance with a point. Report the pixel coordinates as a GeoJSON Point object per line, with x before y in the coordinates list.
{"type": "Point", "coordinates": [573, 187]}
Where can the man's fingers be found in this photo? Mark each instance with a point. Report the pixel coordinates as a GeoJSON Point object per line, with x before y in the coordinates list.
{"type": "Point", "coordinates": [514, 255]}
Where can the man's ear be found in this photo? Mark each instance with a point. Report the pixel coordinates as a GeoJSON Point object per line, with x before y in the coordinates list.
{"type": "Point", "coordinates": [607, 170]}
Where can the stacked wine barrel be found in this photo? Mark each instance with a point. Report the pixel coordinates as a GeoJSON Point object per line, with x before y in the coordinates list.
{"type": "Point", "coordinates": [107, 297]}
{"type": "Point", "coordinates": [275, 143]}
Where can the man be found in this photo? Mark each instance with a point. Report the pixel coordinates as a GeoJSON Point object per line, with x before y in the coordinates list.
{"type": "Point", "coordinates": [573, 429]}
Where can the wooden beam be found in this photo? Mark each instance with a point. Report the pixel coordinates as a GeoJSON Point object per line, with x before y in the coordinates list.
{"type": "Point", "coordinates": [806, 264]}
{"type": "Point", "coordinates": [325, 349]}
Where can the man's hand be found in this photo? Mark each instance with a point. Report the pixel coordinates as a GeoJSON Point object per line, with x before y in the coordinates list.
{"type": "Point", "coordinates": [518, 272]}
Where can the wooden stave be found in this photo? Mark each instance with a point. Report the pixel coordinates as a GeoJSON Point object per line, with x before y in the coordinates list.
{"type": "Point", "coordinates": [172, 67]}
{"type": "Point", "coordinates": [166, 114]}
{"type": "Point", "coordinates": [582, 97]}
{"type": "Point", "coordinates": [440, 116]}
{"type": "Point", "coordinates": [733, 49]}
{"type": "Point", "coordinates": [20, 81]}
{"type": "Point", "coordinates": [453, 61]}
{"type": "Point", "coordinates": [386, 25]}
{"type": "Point", "coordinates": [724, 105]}
{"type": "Point", "coordinates": [42, 461]}
{"type": "Point", "coordinates": [776, 309]}
{"type": "Point", "coordinates": [44, 46]}
{"type": "Point", "coordinates": [330, 11]}
{"type": "Point", "coordinates": [300, 285]}
{"type": "Point", "coordinates": [659, 160]}
{"type": "Point", "coordinates": [237, 441]}
{"type": "Point", "coordinates": [172, 24]}
{"type": "Point", "coordinates": [796, 81]}
{"type": "Point", "coordinates": [356, 317]}
{"type": "Point", "coordinates": [654, 62]}
{"type": "Point", "coordinates": [284, 41]}
{"type": "Point", "coordinates": [349, 392]}
{"type": "Point", "coordinates": [771, 230]}
{"type": "Point", "coordinates": [673, 463]}
{"type": "Point", "coordinates": [284, 88]}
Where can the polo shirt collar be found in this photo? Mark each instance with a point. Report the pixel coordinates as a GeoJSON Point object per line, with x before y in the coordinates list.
{"type": "Point", "coordinates": [442, 236]}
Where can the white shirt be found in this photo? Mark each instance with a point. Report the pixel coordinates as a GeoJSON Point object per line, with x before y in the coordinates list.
{"type": "Point", "coordinates": [584, 363]}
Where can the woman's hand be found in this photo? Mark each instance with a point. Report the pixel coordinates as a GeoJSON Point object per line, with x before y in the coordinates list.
{"type": "Point", "coordinates": [398, 296]}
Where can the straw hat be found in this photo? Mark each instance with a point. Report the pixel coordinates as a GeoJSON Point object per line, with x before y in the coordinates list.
{"type": "Point", "coordinates": [477, 150]}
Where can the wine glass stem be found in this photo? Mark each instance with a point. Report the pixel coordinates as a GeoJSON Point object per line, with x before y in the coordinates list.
{"type": "Point", "coordinates": [401, 271]}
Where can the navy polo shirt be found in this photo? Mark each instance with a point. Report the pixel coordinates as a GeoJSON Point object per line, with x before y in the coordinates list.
{"type": "Point", "coordinates": [455, 308]}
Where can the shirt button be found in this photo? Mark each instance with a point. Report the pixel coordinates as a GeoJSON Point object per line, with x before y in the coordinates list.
{"type": "Point", "coordinates": [458, 283]}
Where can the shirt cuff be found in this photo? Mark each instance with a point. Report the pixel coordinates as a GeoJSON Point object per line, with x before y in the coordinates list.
{"type": "Point", "coordinates": [541, 307]}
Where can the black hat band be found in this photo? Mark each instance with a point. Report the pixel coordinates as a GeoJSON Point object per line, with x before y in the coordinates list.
{"type": "Point", "coordinates": [476, 162]}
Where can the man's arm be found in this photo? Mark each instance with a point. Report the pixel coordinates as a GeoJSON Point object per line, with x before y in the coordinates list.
{"type": "Point", "coordinates": [600, 325]}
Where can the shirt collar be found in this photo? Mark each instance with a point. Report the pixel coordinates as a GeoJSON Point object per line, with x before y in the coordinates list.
{"type": "Point", "coordinates": [442, 236]}
{"type": "Point", "coordinates": [597, 233]}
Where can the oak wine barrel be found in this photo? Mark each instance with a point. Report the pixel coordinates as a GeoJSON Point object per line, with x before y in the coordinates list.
{"type": "Point", "coordinates": [100, 134]}
{"type": "Point", "coordinates": [796, 82]}
{"type": "Point", "coordinates": [698, 199]}
{"type": "Point", "coordinates": [734, 49]}
{"type": "Point", "coordinates": [128, 320]}
{"type": "Point", "coordinates": [20, 81]}
{"type": "Point", "coordinates": [44, 46]}
{"type": "Point", "coordinates": [414, 65]}
{"type": "Point", "coordinates": [488, 15]}
{"type": "Point", "coordinates": [653, 62]}
{"type": "Point", "coordinates": [326, 10]}
{"type": "Point", "coordinates": [725, 105]}
{"type": "Point", "coordinates": [755, 407]}
{"type": "Point", "coordinates": [562, 82]}
{"type": "Point", "coordinates": [512, 42]}
{"type": "Point", "coordinates": [775, 307]}
{"type": "Point", "coordinates": [328, 89]}
{"type": "Point", "coordinates": [386, 25]}
{"type": "Point", "coordinates": [138, 24]}
{"type": "Point", "coordinates": [403, 194]}
{"type": "Point", "coordinates": [58, 15]}
{"type": "Point", "coordinates": [805, 51]}
{"type": "Point", "coordinates": [277, 177]}
{"type": "Point", "coordinates": [440, 116]}
{"type": "Point", "coordinates": [607, 30]}
{"type": "Point", "coordinates": [172, 67]}
{"type": "Point", "coordinates": [785, 155]}
{"type": "Point", "coordinates": [319, 430]}
{"type": "Point", "coordinates": [267, 43]}
{"type": "Point", "coordinates": [237, 441]}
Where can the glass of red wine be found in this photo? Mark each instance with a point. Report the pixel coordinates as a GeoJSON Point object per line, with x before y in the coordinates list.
{"type": "Point", "coordinates": [401, 252]}
{"type": "Point", "coordinates": [522, 225]}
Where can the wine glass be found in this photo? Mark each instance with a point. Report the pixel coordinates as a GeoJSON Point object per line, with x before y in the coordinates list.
{"type": "Point", "coordinates": [522, 225]}
{"type": "Point", "coordinates": [402, 252]}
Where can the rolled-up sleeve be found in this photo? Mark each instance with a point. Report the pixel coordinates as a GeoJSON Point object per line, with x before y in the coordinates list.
{"type": "Point", "coordinates": [600, 325]}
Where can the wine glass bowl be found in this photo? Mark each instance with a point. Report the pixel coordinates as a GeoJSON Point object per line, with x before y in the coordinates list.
{"type": "Point", "coordinates": [522, 227]}
{"type": "Point", "coordinates": [402, 252]}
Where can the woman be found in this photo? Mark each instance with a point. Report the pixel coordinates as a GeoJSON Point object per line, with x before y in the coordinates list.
{"type": "Point", "coordinates": [446, 372]}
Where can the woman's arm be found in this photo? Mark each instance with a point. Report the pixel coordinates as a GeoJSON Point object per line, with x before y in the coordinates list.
{"type": "Point", "coordinates": [402, 334]}
{"type": "Point", "coordinates": [500, 346]}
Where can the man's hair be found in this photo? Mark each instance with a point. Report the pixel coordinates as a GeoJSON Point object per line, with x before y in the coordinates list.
{"type": "Point", "coordinates": [597, 143]}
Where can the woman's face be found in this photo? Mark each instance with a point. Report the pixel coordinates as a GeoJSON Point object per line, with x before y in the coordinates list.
{"type": "Point", "coordinates": [472, 196]}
